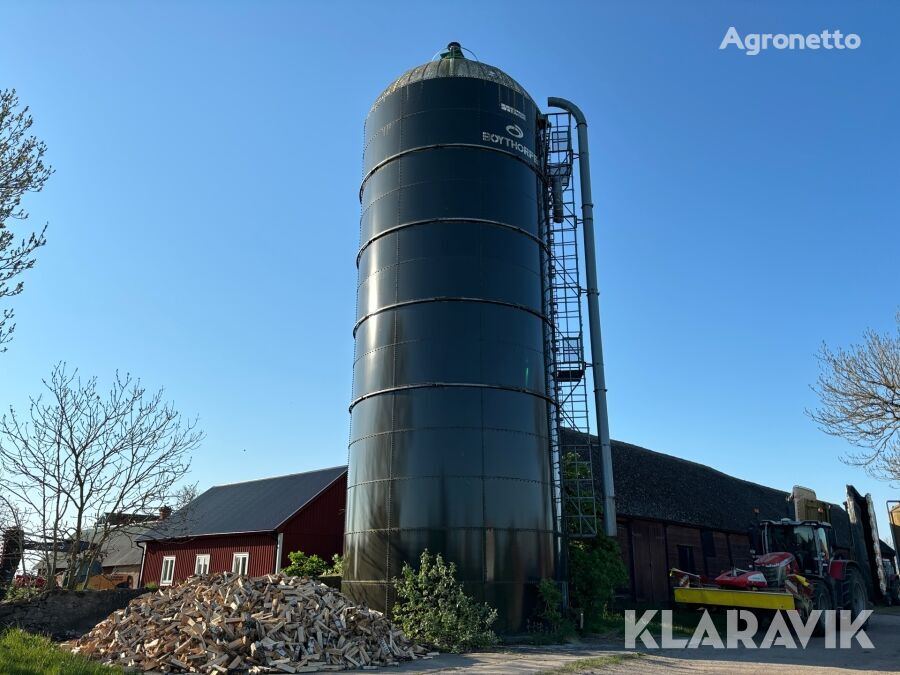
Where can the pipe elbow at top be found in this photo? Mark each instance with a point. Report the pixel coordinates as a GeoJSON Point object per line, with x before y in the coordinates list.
{"type": "Point", "coordinates": [565, 104]}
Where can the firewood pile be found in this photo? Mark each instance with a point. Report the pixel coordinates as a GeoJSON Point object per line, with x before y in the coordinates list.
{"type": "Point", "coordinates": [226, 623]}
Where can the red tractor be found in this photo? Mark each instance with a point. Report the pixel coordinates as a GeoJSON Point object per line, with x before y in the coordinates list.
{"type": "Point", "coordinates": [797, 569]}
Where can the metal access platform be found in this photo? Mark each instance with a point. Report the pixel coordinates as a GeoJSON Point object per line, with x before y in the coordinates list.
{"type": "Point", "coordinates": [573, 452]}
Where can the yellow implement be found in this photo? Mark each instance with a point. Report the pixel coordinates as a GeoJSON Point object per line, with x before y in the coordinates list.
{"type": "Point", "coordinates": [722, 597]}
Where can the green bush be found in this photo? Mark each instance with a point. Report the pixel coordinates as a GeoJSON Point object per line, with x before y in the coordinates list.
{"type": "Point", "coordinates": [337, 565]}
{"type": "Point", "coordinates": [432, 607]}
{"type": "Point", "coordinates": [596, 571]}
{"type": "Point", "coordinates": [14, 593]}
{"type": "Point", "coordinates": [303, 565]}
{"type": "Point", "coordinates": [549, 624]}
{"type": "Point", "coordinates": [549, 609]}
{"type": "Point", "coordinates": [151, 586]}
{"type": "Point", "coordinates": [313, 566]}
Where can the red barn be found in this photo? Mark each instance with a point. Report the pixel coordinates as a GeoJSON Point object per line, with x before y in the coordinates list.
{"type": "Point", "coordinates": [249, 527]}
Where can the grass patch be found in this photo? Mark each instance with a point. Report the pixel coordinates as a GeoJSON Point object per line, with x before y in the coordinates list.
{"type": "Point", "coordinates": [612, 626]}
{"type": "Point", "coordinates": [537, 639]}
{"type": "Point", "coordinates": [593, 663]}
{"type": "Point", "coordinates": [22, 653]}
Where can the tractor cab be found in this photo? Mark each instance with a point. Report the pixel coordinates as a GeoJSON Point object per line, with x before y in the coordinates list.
{"type": "Point", "coordinates": [810, 542]}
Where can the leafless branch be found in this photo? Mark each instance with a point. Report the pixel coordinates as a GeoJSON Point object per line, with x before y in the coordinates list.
{"type": "Point", "coordinates": [859, 393]}
{"type": "Point", "coordinates": [22, 170]}
{"type": "Point", "coordinates": [80, 457]}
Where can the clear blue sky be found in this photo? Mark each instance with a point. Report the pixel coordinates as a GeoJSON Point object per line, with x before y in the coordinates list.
{"type": "Point", "coordinates": [204, 212]}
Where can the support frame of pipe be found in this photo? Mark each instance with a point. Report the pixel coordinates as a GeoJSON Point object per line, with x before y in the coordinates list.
{"type": "Point", "coordinates": [593, 302]}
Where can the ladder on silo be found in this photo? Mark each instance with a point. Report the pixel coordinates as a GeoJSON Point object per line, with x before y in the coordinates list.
{"type": "Point", "coordinates": [573, 452]}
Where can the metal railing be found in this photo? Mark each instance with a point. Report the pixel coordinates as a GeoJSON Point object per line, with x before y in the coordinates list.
{"type": "Point", "coordinates": [572, 450]}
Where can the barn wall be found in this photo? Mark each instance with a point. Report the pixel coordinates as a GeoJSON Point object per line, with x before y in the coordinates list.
{"type": "Point", "coordinates": [687, 537]}
{"type": "Point", "coordinates": [721, 561]}
{"type": "Point", "coordinates": [650, 567]}
{"type": "Point", "coordinates": [740, 549]}
{"type": "Point", "coordinates": [651, 548]}
{"type": "Point", "coordinates": [318, 527]}
{"type": "Point", "coordinates": [261, 548]}
{"type": "Point", "coordinates": [623, 537]}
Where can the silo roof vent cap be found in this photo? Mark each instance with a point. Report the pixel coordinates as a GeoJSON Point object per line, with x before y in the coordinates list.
{"type": "Point", "coordinates": [454, 51]}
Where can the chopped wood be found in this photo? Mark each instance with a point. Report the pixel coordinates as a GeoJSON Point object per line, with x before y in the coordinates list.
{"type": "Point", "coordinates": [269, 624]}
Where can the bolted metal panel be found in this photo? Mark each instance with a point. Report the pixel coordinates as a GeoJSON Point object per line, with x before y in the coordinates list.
{"type": "Point", "coordinates": [449, 446]}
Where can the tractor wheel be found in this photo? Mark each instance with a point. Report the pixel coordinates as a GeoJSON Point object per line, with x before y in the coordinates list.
{"type": "Point", "coordinates": [858, 600]}
{"type": "Point", "coordinates": [821, 600]}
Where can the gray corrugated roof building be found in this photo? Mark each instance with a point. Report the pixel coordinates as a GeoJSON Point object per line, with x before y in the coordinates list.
{"type": "Point", "coordinates": [120, 548]}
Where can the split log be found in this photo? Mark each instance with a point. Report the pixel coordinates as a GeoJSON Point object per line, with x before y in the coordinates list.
{"type": "Point", "coordinates": [269, 624]}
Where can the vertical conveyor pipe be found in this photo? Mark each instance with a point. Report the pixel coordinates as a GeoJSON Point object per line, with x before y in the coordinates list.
{"type": "Point", "coordinates": [593, 301]}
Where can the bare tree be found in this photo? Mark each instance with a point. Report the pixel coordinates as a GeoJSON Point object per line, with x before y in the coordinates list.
{"type": "Point", "coordinates": [859, 392]}
{"type": "Point", "coordinates": [80, 459]}
{"type": "Point", "coordinates": [184, 496]}
{"type": "Point", "coordinates": [22, 170]}
{"type": "Point", "coordinates": [12, 540]}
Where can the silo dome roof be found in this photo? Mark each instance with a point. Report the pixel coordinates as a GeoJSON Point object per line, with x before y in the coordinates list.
{"type": "Point", "coordinates": [452, 67]}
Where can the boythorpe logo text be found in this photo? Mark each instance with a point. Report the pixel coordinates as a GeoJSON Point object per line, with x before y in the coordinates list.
{"type": "Point", "coordinates": [840, 630]}
{"type": "Point", "coordinates": [511, 142]}
{"type": "Point", "coordinates": [753, 43]}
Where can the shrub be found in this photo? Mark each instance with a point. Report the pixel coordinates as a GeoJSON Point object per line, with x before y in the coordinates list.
{"type": "Point", "coordinates": [337, 565]}
{"type": "Point", "coordinates": [549, 608]}
{"type": "Point", "coordinates": [303, 565]}
{"type": "Point", "coordinates": [151, 586]}
{"type": "Point", "coordinates": [596, 571]}
{"type": "Point", "coordinates": [549, 624]}
{"type": "Point", "coordinates": [27, 592]}
{"type": "Point", "coordinates": [432, 607]}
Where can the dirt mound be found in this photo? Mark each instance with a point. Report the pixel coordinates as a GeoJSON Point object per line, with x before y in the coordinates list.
{"type": "Point", "coordinates": [226, 623]}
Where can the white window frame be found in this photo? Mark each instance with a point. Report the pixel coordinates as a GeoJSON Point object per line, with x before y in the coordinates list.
{"type": "Point", "coordinates": [236, 565]}
{"type": "Point", "coordinates": [162, 572]}
{"type": "Point", "coordinates": [201, 564]}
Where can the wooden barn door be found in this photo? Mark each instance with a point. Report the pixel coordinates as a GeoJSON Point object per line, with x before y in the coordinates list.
{"type": "Point", "coordinates": [651, 578]}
